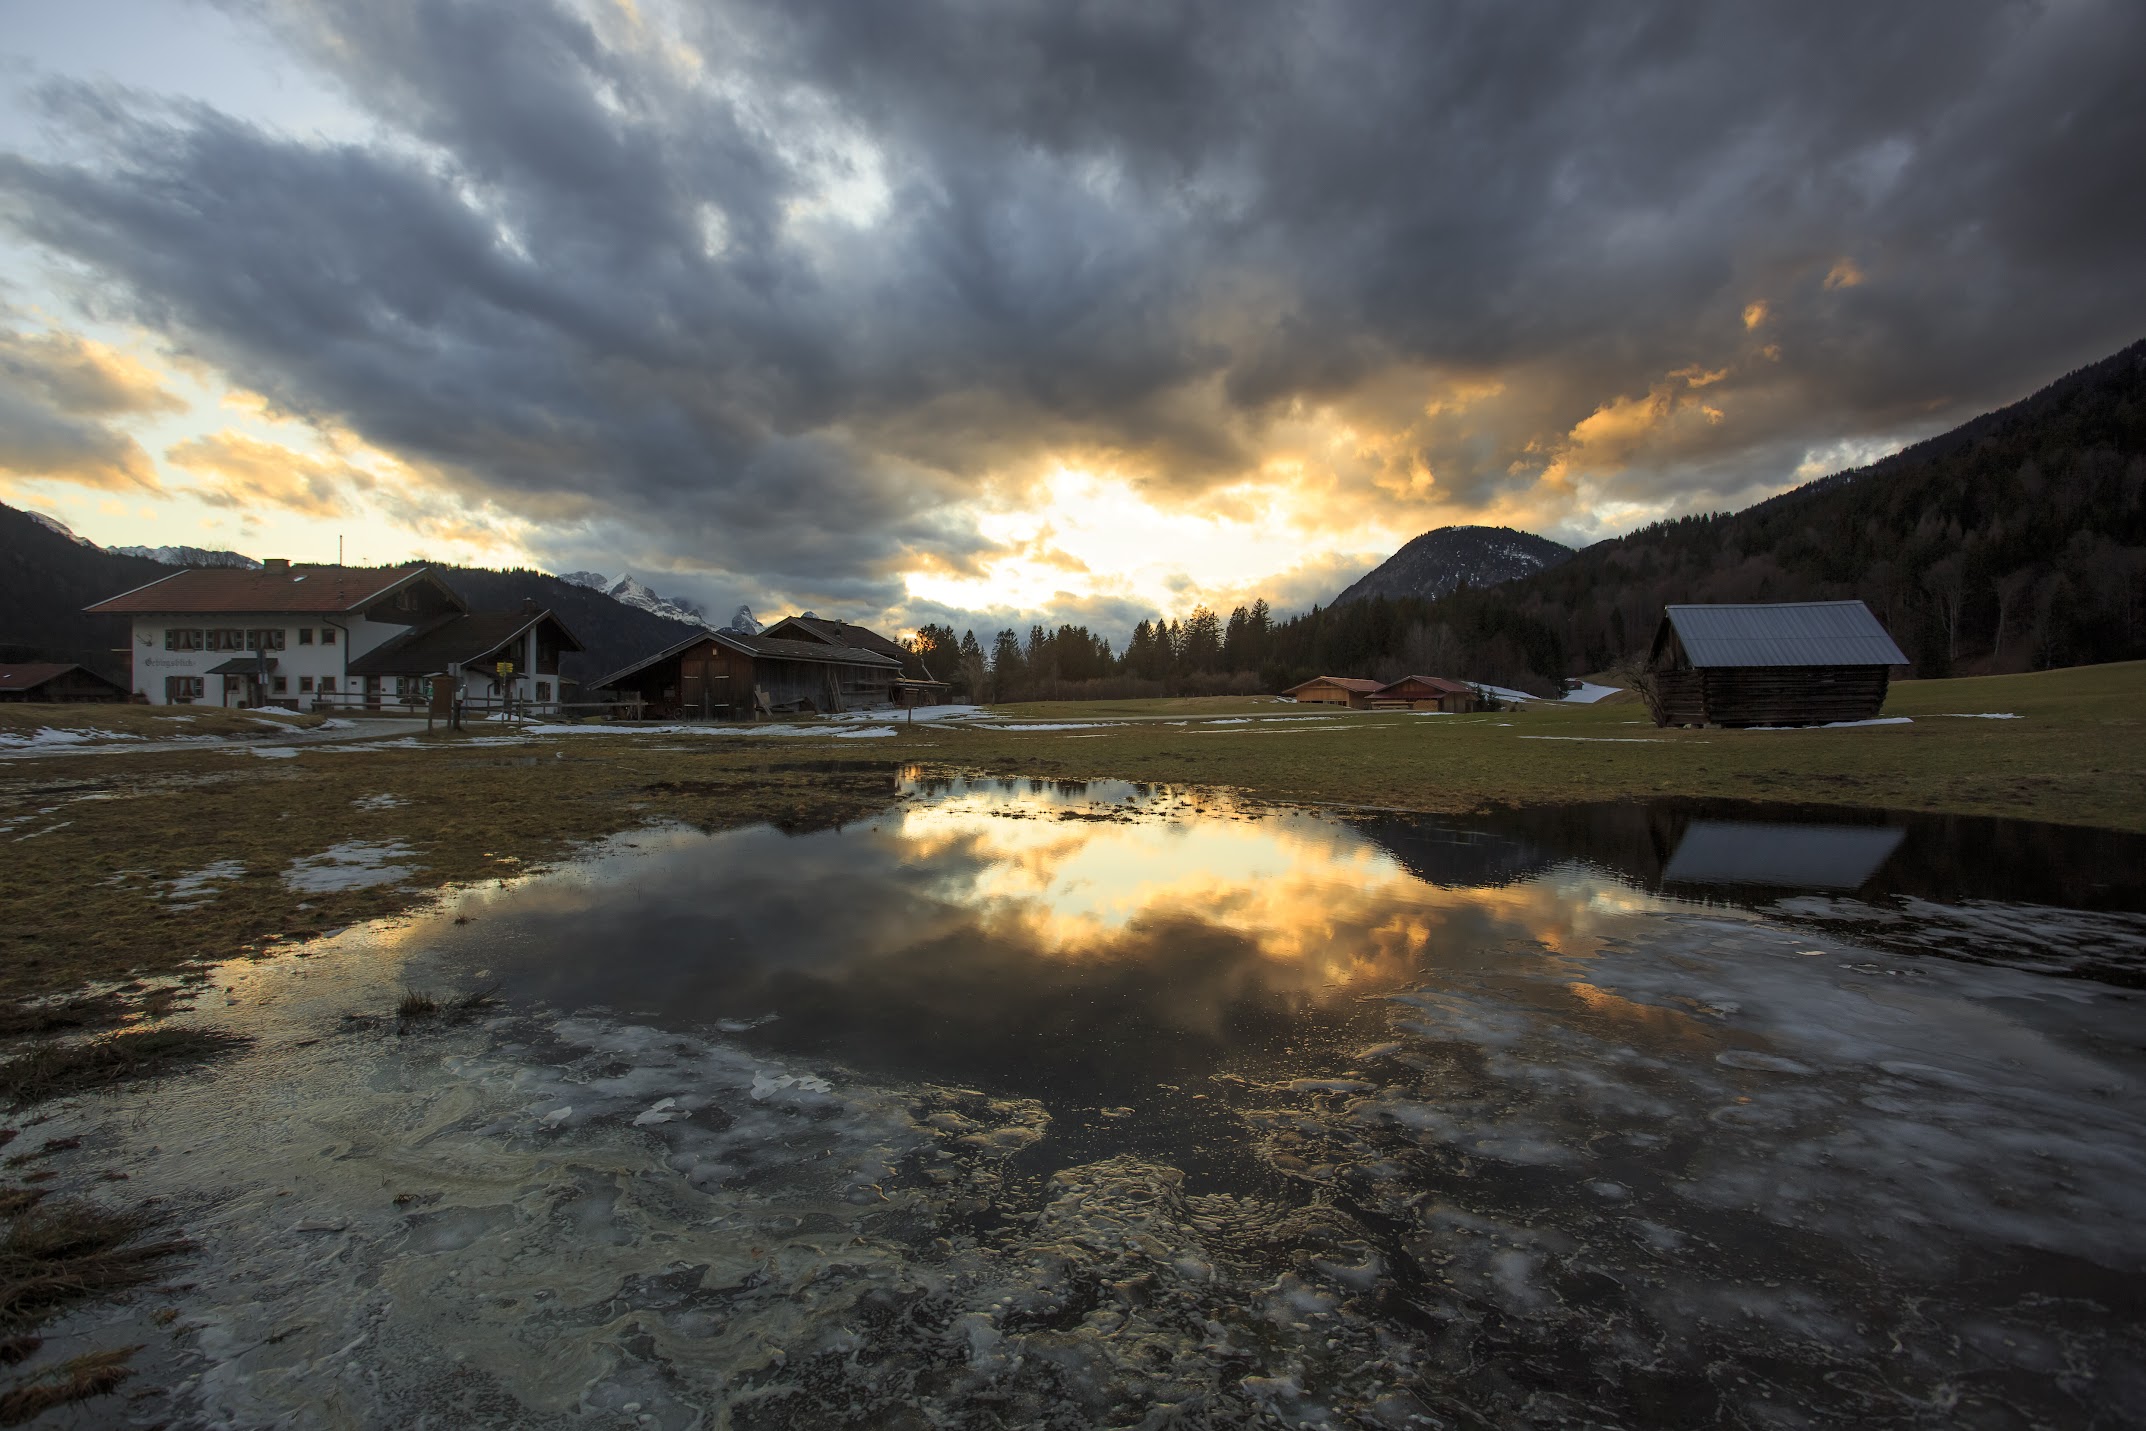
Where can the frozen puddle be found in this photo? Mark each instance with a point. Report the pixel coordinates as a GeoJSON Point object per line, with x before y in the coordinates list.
{"type": "Point", "coordinates": [1032, 1105]}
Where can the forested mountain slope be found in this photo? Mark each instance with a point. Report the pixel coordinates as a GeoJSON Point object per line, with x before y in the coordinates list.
{"type": "Point", "coordinates": [1446, 557]}
{"type": "Point", "coordinates": [2015, 541]}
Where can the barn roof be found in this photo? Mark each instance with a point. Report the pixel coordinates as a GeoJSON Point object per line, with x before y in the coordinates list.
{"type": "Point", "coordinates": [462, 638]}
{"type": "Point", "coordinates": [30, 675]}
{"type": "Point", "coordinates": [773, 648]}
{"type": "Point", "coordinates": [1436, 683]}
{"type": "Point", "coordinates": [863, 638]}
{"type": "Point", "coordinates": [1347, 683]}
{"type": "Point", "coordinates": [1789, 633]}
{"type": "Point", "coordinates": [227, 590]}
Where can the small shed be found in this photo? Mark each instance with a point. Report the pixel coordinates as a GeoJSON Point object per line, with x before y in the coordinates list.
{"type": "Point", "coordinates": [1350, 691]}
{"type": "Point", "coordinates": [1787, 663]}
{"type": "Point", "coordinates": [1428, 693]}
{"type": "Point", "coordinates": [56, 681]}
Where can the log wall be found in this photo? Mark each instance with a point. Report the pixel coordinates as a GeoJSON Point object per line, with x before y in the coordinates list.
{"type": "Point", "coordinates": [1766, 695]}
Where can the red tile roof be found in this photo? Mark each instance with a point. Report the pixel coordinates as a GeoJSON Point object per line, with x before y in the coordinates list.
{"type": "Point", "coordinates": [235, 590]}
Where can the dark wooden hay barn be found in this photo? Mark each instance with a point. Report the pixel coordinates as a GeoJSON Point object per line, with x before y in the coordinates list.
{"type": "Point", "coordinates": [730, 675]}
{"type": "Point", "coordinates": [56, 681]}
{"type": "Point", "coordinates": [1790, 663]}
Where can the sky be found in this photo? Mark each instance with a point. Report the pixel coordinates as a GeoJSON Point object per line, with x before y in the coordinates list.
{"type": "Point", "coordinates": [1032, 310]}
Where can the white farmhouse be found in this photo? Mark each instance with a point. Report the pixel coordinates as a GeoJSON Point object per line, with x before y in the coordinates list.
{"type": "Point", "coordinates": [330, 637]}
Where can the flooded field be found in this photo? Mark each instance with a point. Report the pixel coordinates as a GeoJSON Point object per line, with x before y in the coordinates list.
{"type": "Point", "coordinates": [1101, 1105]}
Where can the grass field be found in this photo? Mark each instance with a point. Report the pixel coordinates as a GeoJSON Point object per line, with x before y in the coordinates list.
{"type": "Point", "coordinates": [163, 859]}
{"type": "Point", "coordinates": [131, 722]}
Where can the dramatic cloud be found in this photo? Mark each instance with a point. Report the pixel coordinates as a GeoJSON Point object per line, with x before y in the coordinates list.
{"type": "Point", "coordinates": [799, 300]}
{"type": "Point", "coordinates": [246, 473]}
{"type": "Point", "coordinates": [59, 393]}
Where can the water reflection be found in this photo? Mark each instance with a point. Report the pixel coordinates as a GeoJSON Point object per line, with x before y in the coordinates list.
{"type": "Point", "coordinates": [1795, 856]}
{"type": "Point", "coordinates": [1135, 1106]}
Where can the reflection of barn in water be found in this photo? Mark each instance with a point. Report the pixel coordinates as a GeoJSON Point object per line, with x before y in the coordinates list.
{"type": "Point", "coordinates": [1670, 847]}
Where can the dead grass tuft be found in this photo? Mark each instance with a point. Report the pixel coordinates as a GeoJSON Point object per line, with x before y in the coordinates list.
{"type": "Point", "coordinates": [76, 1379]}
{"type": "Point", "coordinates": [62, 1251]}
{"type": "Point", "coordinates": [53, 1069]}
{"type": "Point", "coordinates": [96, 1012]}
{"type": "Point", "coordinates": [417, 1006]}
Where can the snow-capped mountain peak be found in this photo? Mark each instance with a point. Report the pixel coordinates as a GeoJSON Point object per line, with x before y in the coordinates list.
{"type": "Point", "coordinates": [634, 593]}
{"type": "Point", "coordinates": [187, 556]}
{"type": "Point", "coordinates": [56, 525]}
{"type": "Point", "coordinates": [744, 622]}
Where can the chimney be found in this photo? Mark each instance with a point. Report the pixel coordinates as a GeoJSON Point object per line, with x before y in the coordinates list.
{"type": "Point", "coordinates": [275, 564]}
{"type": "Point", "coordinates": [529, 606]}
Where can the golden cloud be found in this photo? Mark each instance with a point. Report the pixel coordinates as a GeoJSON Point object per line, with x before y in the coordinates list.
{"type": "Point", "coordinates": [1756, 312]}
{"type": "Point", "coordinates": [246, 472]}
{"type": "Point", "coordinates": [1843, 274]}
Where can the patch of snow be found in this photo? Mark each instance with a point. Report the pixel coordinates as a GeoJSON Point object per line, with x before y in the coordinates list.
{"type": "Point", "coordinates": [273, 752]}
{"type": "Point", "coordinates": [1604, 739]}
{"type": "Point", "coordinates": [922, 715]}
{"type": "Point", "coordinates": [195, 886]}
{"type": "Point", "coordinates": [1839, 724]}
{"type": "Point", "coordinates": [378, 802]}
{"type": "Point", "coordinates": [1977, 715]}
{"type": "Point", "coordinates": [1588, 693]}
{"type": "Point", "coordinates": [47, 737]}
{"type": "Point", "coordinates": [354, 864]}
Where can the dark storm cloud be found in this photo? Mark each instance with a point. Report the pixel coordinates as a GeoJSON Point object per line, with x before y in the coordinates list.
{"type": "Point", "coordinates": [776, 305]}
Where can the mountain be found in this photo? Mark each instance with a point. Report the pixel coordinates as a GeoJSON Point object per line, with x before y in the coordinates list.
{"type": "Point", "coordinates": [635, 594]}
{"type": "Point", "coordinates": [186, 556]}
{"type": "Point", "coordinates": [47, 575]}
{"type": "Point", "coordinates": [2015, 541]}
{"type": "Point", "coordinates": [1438, 561]}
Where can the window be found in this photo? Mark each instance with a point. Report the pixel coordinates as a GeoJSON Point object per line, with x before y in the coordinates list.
{"type": "Point", "coordinates": [265, 639]}
{"type": "Point", "coordinates": [543, 690]}
{"type": "Point", "coordinates": [305, 635]}
{"type": "Point", "coordinates": [327, 635]}
{"type": "Point", "coordinates": [305, 684]}
{"type": "Point", "coordinates": [283, 684]}
{"type": "Point", "coordinates": [182, 638]}
{"type": "Point", "coordinates": [227, 638]}
{"type": "Point", "coordinates": [181, 689]}
{"type": "Point", "coordinates": [327, 683]}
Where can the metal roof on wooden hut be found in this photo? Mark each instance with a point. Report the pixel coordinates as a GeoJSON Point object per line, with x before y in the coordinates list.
{"type": "Point", "coordinates": [1788, 633]}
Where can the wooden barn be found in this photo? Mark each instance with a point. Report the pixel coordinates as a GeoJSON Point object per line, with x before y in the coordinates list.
{"type": "Point", "coordinates": [1334, 691]}
{"type": "Point", "coordinates": [1428, 693]}
{"type": "Point", "coordinates": [1791, 663]}
{"type": "Point", "coordinates": [734, 676]}
{"type": "Point", "coordinates": [54, 681]}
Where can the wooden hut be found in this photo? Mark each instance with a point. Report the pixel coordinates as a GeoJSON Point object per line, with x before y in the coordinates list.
{"type": "Point", "coordinates": [1428, 693]}
{"type": "Point", "coordinates": [1334, 691]}
{"type": "Point", "coordinates": [1790, 663]}
{"type": "Point", "coordinates": [56, 681]}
